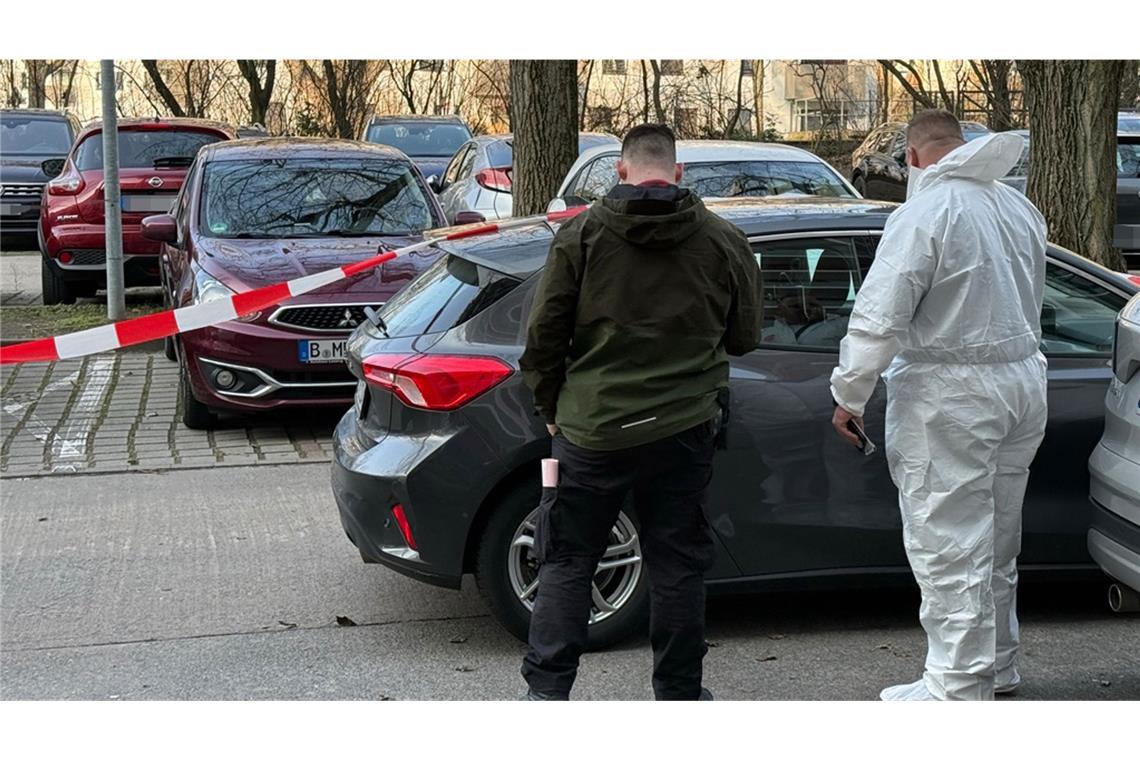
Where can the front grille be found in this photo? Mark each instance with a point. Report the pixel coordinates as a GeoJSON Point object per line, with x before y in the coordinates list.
{"type": "Point", "coordinates": [87, 257]}
{"type": "Point", "coordinates": [21, 191]}
{"type": "Point", "coordinates": [340, 318]}
{"type": "Point", "coordinates": [334, 374]}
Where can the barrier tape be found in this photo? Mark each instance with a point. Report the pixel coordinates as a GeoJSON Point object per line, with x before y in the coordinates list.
{"type": "Point", "coordinates": [166, 323]}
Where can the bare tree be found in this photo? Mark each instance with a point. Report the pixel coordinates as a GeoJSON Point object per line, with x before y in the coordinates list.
{"type": "Point", "coordinates": [39, 72]}
{"type": "Point", "coordinates": [260, 77]}
{"type": "Point", "coordinates": [422, 83]}
{"type": "Point", "coordinates": [586, 68]}
{"type": "Point", "coordinates": [544, 104]}
{"type": "Point", "coordinates": [490, 89]}
{"type": "Point", "coordinates": [12, 96]}
{"type": "Point", "coordinates": [994, 79]}
{"type": "Point", "coordinates": [914, 83]}
{"type": "Point", "coordinates": [193, 87]}
{"type": "Point", "coordinates": [1072, 156]}
{"type": "Point", "coordinates": [343, 91]}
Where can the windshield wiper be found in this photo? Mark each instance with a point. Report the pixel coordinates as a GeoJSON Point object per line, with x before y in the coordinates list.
{"type": "Point", "coordinates": [173, 162]}
{"type": "Point", "coordinates": [377, 321]}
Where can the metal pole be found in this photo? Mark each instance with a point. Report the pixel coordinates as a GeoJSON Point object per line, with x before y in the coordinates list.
{"type": "Point", "coordinates": [112, 211]}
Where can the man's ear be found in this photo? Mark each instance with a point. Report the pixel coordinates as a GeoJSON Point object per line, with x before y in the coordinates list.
{"type": "Point", "coordinates": [678, 170]}
{"type": "Point", "coordinates": [622, 170]}
{"type": "Point", "coordinates": [912, 157]}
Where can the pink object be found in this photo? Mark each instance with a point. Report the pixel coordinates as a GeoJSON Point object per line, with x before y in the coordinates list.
{"type": "Point", "coordinates": [549, 473]}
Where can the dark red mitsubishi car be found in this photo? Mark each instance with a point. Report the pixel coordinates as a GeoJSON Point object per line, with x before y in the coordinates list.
{"type": "Point", "coordinates": [153, 157]}
{"type": "Point", "coordinates": [258, 212]}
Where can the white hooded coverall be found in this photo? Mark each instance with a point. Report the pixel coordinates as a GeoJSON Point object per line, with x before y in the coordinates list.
{"type": "Point", "coordinates": [952, 304]}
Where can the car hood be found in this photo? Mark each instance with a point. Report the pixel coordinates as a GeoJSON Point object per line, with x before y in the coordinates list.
{"type": "Point", "coordinates": [23, 169]}
{"type": "Point", "coordinates": [429, 165]}
{"type": "Point", "coordinates": [247, 264]}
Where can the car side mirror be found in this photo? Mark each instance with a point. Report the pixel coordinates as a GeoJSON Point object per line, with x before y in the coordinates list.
{"type": "Point", "coordinates": [556, 205]}
{"type": "Point", "coordinates": [53, 167]}
{"type": "Point", "coordinates": [469, 217]}
{"type": "Point", "coordinates": [160, 227]}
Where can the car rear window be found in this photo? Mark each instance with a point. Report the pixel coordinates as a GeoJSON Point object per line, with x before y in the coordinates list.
{"type": "Point", "coordinates": [146, 148]}
{"type": "Point", "coordinates": [423, 139]}
{"type": "Point", "coordinates": [738, 179]}
{"type": "Point", "coordinates": [31, 136]}
{"type": "Point", "coordinates": [447, 294]}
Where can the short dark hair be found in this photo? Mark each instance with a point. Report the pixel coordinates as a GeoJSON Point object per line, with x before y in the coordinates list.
{"type": "Point", "coordinates": [933, 125]}
{"type": "Point", "coordinates": [653, 144]}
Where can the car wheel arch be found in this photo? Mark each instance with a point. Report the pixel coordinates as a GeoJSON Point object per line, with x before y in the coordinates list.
{"type": "Point", "coordinates": [513, 480]}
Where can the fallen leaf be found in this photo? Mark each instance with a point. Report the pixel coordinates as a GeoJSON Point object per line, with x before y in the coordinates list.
{"type": "Point", "coordinates": [767, 658]}
{"type": "Point", "coordinates": [41, 519]}
{"type": "Point", "coordinates": [458, 639]}
{"type": "Point", "coordinates": [884, 646]}
{"type": "Point", "coordinates": [712, 644]}
{"type": "Point", "coordinates": [342, 620]}
{"type": "Point", "coordinates": [465, 669]}
{"type": "Point", "coordinates": [286, 624]}
{"type": "Point", "coordinates": [383, 698]}
{"type": "Point", "coordinates": [1104, 682]}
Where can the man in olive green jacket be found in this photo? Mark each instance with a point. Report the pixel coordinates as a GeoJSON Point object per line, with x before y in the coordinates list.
{"type": "Point", "coordinates": [642, 299]}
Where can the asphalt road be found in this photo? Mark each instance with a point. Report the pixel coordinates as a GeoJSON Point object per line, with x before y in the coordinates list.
{"type": "Point", "coordinates": [227, 583]}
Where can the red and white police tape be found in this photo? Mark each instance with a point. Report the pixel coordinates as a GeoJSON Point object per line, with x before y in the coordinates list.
{"type": "Point", "coordinates": [154, 326]}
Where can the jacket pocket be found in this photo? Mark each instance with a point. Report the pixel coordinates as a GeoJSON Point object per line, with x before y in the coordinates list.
{"type": "Point", "coordinates": [543, 534]}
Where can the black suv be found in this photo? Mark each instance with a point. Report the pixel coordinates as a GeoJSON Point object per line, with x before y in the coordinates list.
{"type": "Point", "coordinates": [879, 168]}
{"type": "Point", "coordinates": [430, 141]}
{"type": "Point", "coordinates": [33, 145]}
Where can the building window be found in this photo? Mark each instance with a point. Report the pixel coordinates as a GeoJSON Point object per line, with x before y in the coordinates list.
{"type": "Point", "coordinates": [746, 67]}
{"type": "Point", "coordinates": [613, 67]}
{"type": "Point", "coordinates": [672, 68]}
{"type": "Point", "coordinates": [433, 66]}
{"type": "Point", "coordinates": [685, 121]}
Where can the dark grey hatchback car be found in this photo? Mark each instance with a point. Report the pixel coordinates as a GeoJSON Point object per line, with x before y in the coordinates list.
{"type": "Point", "coordinates": [436, 467]}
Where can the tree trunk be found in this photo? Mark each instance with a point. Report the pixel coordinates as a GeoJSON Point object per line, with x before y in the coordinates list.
{"type": "Point", "coordinates": [758, 97]}
{"type": "Point", "coordinates": [586, 95]}
{"type": "Point", "coordinates": [1130, 85]}
{"type": "Point", "coordinates": [37, 79]}
{"type": "Point", "coordinates": [1072, 156]}
{"type": "Point", "coordinates": [645, 92]}
{"type": "Point", "coordinates": [160, 85]}
{"type": "Point", "coordinates": [1001, 107]}
{"type": "Point", "coordinates": [544, 119]}
{"type": "Point", "coordinates": [657, 109]}
{"type": "Point", "coordinates": [260, 92]}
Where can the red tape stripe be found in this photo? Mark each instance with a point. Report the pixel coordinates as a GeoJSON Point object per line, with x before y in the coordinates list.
{"type": "Point", "coordinates": [351, 269]}
{"type": "Point", "coordinates": [472, 232]}
{"type": "Point", "coordinates": [149, 327]}
{"type": "Point", "coordinates": [42, 350]}
{"type": "Point", "coordinates": [256, 300]}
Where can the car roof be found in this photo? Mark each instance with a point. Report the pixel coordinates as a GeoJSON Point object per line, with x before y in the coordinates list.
{"type": "Point", "coordinates": [450, 118]}
{"type": "Point", "coordinates": [48, 113]}
{"type": "Point", "coordinates": [174, 121]}
{"type": "Point", "coordinates": [695, 151]}
{"type": "Point", "coordinates": [520, 252]}
{"type": "Point", "coordinates": [255, 148]}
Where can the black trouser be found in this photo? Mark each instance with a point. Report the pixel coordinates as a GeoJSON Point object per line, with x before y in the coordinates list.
{"type": "Point", "coordinates": [669, 479]}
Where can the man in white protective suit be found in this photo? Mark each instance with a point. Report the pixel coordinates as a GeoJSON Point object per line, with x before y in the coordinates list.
{"type": "Point", "coordinates": [952, 305]}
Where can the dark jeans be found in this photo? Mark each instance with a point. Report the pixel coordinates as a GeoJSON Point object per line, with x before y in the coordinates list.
{"type": "Point", "coordinates": [669, 480]}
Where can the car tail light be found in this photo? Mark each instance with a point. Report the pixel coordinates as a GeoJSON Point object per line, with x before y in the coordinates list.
{"type": "Point", "coordinates": [405, 527]}
{"type": "Point", "coordinates": [436, 383]}
{"type": "Point", "coordinates": [66, 184]}
{"type": "Point", "coordinates": [495, 179]}
{"type": "Point", "coordinates": [1135, 278]}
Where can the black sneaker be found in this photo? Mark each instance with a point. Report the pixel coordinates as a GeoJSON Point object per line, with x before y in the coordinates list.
{"type": "Point", "coordinates": [706, 696]}
{"type": "Point", "coordinates": [538, 696]}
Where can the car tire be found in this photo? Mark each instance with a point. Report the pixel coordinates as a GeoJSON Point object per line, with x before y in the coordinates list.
{"type": "Point", "coordinates": [56, 290]}
{"type": "Point", "coordinates": [169, 350]}
{"type": "Point", "coordinates": [195, 414]}
{"type": "Point", "coordinates": [493, 574]}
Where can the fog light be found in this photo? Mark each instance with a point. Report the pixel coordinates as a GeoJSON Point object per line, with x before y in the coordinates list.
{"type": "Point", "coordinates": [225, 379]}
{"type": "Point", "coordinates": [65, 257]}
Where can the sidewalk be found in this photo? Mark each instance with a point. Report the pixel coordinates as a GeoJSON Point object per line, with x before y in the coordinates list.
{"type": "Point", "coordinates": [118, 412]}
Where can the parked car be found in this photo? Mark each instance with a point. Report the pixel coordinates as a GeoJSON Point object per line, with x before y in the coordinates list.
{"type": "Point", "coordinates": [879, 167]}
{"type": "Point", "coordinates": [714, 169]}
{"type": "Point", "coordinates": [1128, 122]}
{"type": "Point", "coordinates": [1126, 234]}
{"type": "Point", "coordinates": [477, 183]}
{"type": "Point", "coordinates": [153, 157]}
{"type": "Point", "coordinates": [430, 141]}
{"type": "Point", "coordinates": [1114, 537]}
{"type": "Point", "coordinates": [256, 212]}
{"type": "Point", "coordinates": [436, 467]}
{"type": "Point", "coordinates": [33, 144]}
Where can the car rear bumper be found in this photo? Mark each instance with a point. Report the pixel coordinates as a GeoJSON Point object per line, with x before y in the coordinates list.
{"type": "Point", "coordinates": [92, 237]}
{"type": "Point", "coordinates": [266, 362]}
{"type": "Point", "coordinates": [1115, 545]}
{"type": "Point", "coordinates": [1114, 535]}
{"type": "Point", "coordinates": [440, 481]}
{"type": "Point", "coordinates": [138, 271]}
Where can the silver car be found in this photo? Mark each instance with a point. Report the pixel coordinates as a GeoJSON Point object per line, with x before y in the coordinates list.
{"type": "Point", "coordinates": [477, 182]}
{"type": "Point", "coordinates": [1114, 467]}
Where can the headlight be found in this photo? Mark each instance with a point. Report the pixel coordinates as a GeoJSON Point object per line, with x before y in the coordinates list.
{"type": "Point", "coordinates": [206, 288]}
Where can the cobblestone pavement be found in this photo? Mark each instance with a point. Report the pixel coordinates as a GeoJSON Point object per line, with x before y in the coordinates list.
{"type": "Point", "coordinates": [118, 412]}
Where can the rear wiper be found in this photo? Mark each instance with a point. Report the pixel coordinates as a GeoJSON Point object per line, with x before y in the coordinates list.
{"type": "Point", "coordinates": [173, 162]}
{"type": "Point", "coordinates": [376, 320]}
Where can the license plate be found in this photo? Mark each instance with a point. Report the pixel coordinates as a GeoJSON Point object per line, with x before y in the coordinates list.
{"type": "Point", "coordinates": [154, 204]}
{"type": "Point", "coordinates": [322, 351]}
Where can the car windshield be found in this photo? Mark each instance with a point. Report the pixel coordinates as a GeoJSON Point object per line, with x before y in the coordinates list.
{"type": "Point", "coordinates": [735, 179]}
{"type": "Point", "coordinates": [30, 136]}
{"type": "Point", "coordinates": [420, 138]}
{"type": "Point", "coordinates": [312, 198]}
{"type": "Point", "coordinates": [146, 148]}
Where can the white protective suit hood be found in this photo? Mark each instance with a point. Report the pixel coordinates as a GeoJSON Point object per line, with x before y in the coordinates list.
{"type": "Point", "coordinates": [986, 158]}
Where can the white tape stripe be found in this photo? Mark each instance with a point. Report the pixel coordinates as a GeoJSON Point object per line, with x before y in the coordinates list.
{"type": "Point", "coordinates": [204, 314]}
{"type": "Point", "coordinates": [314, 281]}
{"type": "Point", "coordinates": [87, 342]}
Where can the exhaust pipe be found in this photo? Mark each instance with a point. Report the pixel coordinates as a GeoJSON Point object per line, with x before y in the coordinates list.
{"type": "Point", "coordinates": [1123, 599]}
